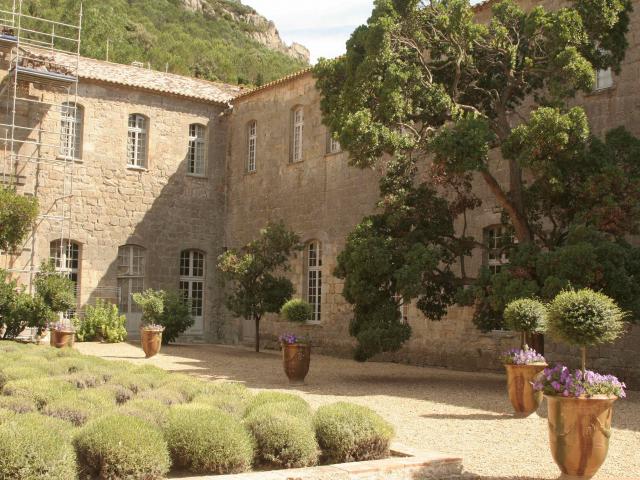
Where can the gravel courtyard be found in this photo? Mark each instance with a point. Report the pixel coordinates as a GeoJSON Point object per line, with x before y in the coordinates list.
{"type": "Point", "coordinates": [467, 414]}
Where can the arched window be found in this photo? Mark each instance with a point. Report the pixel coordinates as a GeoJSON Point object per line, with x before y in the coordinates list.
{"type": "Point", "coordinates": [252, 144]}
{"type": "Point", "coordinates": [197, 150]}
{"type": "Point", "coordinates": [137, 141]}
{"type": "Point", "coordinates": [498, 239]}
{"type": "Point", "coordinates": [297, 134]}
{"type": "Point", "coordinates": [65, 255]}
{"type": "Point", "coordinates": [192, 281]}
{"type": "Point", "coordinates": [313, 268]}
{"type": "Point", "coordinates": [71, 118]}
{"type": "Point", "coordinates": [131, 262]}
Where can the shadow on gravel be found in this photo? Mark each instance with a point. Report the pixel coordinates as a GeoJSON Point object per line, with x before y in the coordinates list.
{"type": "Point", "coordinates": [470, 416]}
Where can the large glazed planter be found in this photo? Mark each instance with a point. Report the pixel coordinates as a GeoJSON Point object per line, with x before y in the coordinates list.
{"type": "Point", "coordinates": [296, 359]}
{"type": "Point", "coordinates": [62, 338]}
{"type": "Point", "coordinates": [524, 399]}
{"type": "Point", "coordinates": [151, 340]}
{"type": "Point", "coordinates": [579, 431]}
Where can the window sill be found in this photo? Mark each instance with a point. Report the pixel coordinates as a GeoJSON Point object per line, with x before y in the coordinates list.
{"type": "Point", "coordinates": [252, 172]}
{"type": "Point", "coordinates": [297, 162]}
{"type": "Point", "coordinates": [199, 177]}
{"type": "Point", "coordinates": [137, 169]}
{"type": "Point", "coordinates": [601, 91]}
{"type": "Point", "coordinates": [332, 154]}
{"type": "Point", "coordinates": [63, 158]}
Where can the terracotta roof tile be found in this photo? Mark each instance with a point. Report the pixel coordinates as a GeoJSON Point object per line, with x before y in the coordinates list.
{"type": "Point", "coordinates": [285, 79]}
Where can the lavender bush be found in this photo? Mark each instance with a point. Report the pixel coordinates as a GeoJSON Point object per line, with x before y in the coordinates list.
{"type": "Point", "coordinates": [559, 380]}
{"type": "Point", "coordinates": [517, 356]}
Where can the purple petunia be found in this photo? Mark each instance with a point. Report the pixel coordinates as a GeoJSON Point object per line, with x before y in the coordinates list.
{"type": "Point", "coordinates": [516, 356]}
{"type": "Point", "coordinates": [559, 380]}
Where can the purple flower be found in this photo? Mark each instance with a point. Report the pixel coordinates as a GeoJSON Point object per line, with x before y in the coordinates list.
{"type": "Point", "coordinates": [560, 380]}
{"type": "Point", "coordinates": [516, 356]}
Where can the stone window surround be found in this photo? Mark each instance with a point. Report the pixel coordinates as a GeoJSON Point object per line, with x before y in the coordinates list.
{"type": "Point", "coordinates": [192, 277]}
{"type": "Point", "coordinates": [71, 114]}
{"type": "Point", "coordinates": [313, 278]}
{"type": "Point", "coordinates": [252, 146]}
{"type": "Point", "coordinates": [130, 274]}
{"type": "Point", "coordinates": [199, 144]}
{"type": "Point", "coordinates": [297, 134]}
{"type": "Point", "coordinates": [139, 135]}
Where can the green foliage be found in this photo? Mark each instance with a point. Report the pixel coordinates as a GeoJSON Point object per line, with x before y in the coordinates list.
{"type": "Point", "coordinates": [56, 290]}
{"type": "Point", "coordinates": [283, 440]}
{"type": "Point", "coordinates": [207, 440]}
{"type": "Point", "coordinates": [296, 310]}
{"type": "Point", "coordinates": [230, 397]}
{"type": "Point", "coordinates": [207, 44]}
{"type": "Point", "coordinates": [254, 289]}
{"type": "Point", "coordinates": [78, 408]}
{"type": "Point", "coordinates": [151, 302]}
{"type": "Point", "coordinates": [118, 446]}
{"type": "Point", "coordinates": [293, 403]}
{"type": "Point", "coordinates": [444, 115]}
{"type": "Point", "coordinates": [42, 392]}
{"type": "Point", "coordinates": [585, 318]}
{"type": "Point", "coordinates": [153, 411]}
{"type": "Point", "coordinates": [102, 321]}
{"type": "Point", "coordinates": [26, 311]}
{"type": "Point", "coordinates": [526, 315]}
{"type": "Point", "coordinates": [33, 447]}
{"type": "Point", "coordinates": [348, 433]}
{"type": "Point", "coordinates": [176, 317]}
{"type": "Point", "coordinates": [8, 289]}
{"type": "Point", "coordinates": [17, 215]}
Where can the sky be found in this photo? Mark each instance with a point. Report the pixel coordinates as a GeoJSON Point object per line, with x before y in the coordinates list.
{"type": "Point", "coordinates": [323, 26]}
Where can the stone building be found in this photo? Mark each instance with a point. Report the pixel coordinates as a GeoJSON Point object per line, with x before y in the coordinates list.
{"type": "Point", "coordinates": [170, 171]}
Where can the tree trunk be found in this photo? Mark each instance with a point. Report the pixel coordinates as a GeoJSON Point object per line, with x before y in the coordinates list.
{"type": "Point", "coordinates": [257, 320]}
{"type": "Point", "coordinates": [583, 351]}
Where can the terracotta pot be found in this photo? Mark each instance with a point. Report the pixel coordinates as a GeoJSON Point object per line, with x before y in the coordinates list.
{"type": "Point", "coordinates": [524, 399]}
{"type": "Point", "coordinates": [579, 431]}
{"type": "Point", "coordinates": [62, 338]}
{"type": "Point", "coordinates": [151, 341]}
{"type": "Point", "coordinates": [296, 359]}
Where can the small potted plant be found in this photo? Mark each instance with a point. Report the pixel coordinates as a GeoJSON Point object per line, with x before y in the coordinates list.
{"type": "Point", "coordinates": [62, 334]}
{"type": "Point", "coordinates": [152, 304]}
{"type": "Point", "coordinates": [581, 403]}
{"type": "Point", "coordinates": [527, 316]}
{"type": "Point", "coordinates": [296, 351]}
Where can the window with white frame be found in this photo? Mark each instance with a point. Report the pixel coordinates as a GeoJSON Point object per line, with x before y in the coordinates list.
{"type": "Point", "coordinates": [604, 79]}
{"type": "Point", "coordinates": [403, 308]}
{"type": "Point", "coordinates": [314, 278]}
{"type": "Point", "coordinates": [252, 144]}
{"type": "Point", "coordinates": [66, 259]}
{"type": "Point", "coordinates": [71, 117]}
{"type": "Point", "coordinates": [137, 141]}
{"type": "Point", "coordinates": [499, 239]}
{"type": "Point", "coordinates": [197, 150]}
{"type": "Point", "coordinates": [131, 262]}
{"type": "Point", "coordinates": [192, 280]}
{"type": "Point", "coordinates": [297, 134]}
{"type": "Point", "coordinates": [333, 145]}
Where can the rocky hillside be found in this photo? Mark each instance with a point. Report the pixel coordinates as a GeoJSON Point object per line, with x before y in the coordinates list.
{"type": "Point", "coordinates": [213, 39]}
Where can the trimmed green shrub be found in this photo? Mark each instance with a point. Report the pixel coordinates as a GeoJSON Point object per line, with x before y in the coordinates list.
{"type": "Point", "coordinates": [176, 317]}
{"type": "Point", "coordinates": [80, 406]}
{"type": "Point", "coordinates": [187, 386]}
{"type": "Point", "coordinates": [207, 440]}
{"type": "Point", "coordinates": [230, 397]}
{"type": "Point", "coordinates": [139, 379]}
{"type": "Point", "coordinates": [33, 447]}
{"type": "Point", "coordinates": [42, 392]}
{"type": "Point", "coordinates": [296, 310]}
{"type": "Point", "coordinates": [293, 403]}
{"type": "Point", "coordinates": [18, 404]}
{"type": "Point", "coordinates": [119, 446]}
{"type": "Point", "coordinates": [151, 302]}
{"type": "Point", "coordinates": [282, 440]}
{"type": "Point", "coordinates": [102, 321]}
{"type": "Point", "coordinates": [19, 371]}
{"type": "Point", "coordinates": [163, 395]}
{"type": "Point", "coordinates": [152, 411]}
{"type": "Point", "coordinates": [351, 433]}
{"type": "Point", "coordinates": [527, 316]}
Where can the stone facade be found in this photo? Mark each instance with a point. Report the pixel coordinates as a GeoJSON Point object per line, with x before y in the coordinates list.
{"type": "Point", "coordinates": [165, 210]}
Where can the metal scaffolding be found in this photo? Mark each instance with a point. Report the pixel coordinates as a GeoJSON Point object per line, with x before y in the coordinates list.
{"type": "Point", "coordinates": [40, 92]}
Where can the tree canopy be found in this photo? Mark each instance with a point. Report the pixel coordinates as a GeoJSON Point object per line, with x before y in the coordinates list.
{"type": "Point", "coordinates": [444, 102]}
{"type": "Point", "coordinates": [17, 215]}
{"type": "Point", "coordinates": [254, 274]}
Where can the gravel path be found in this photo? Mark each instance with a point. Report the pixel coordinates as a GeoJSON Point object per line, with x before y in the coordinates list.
{"type": "Point", "coordinates": [461, 413]}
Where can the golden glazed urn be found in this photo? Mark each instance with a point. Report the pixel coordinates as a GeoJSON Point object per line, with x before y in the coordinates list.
{"type": "Point", "coordinates": [524, 399]}
{"type": "Point", "coordinates": [579, 431]}
{"type": "Point", "coordinates": [296, 359]}
{"type": "Point", "coordinates": [151, 340]}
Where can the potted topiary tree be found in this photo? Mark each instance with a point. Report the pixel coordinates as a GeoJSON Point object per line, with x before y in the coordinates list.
{"type": "Point", "coordinates": [296, 351]}
{"type": "Point", "coordinates": [152, 304]}
{"type": "Point", "coordinates": [581, 403]}
{"type": "Point", "coordinates": [527, 316]}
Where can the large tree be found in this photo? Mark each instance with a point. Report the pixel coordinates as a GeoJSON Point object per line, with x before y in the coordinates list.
{"type": "Point", "coordinates": [460, 103]}
{"type": "Point", "coordinates": [17, 215]}
{"type": "Point", "coordinates": [254, 276]}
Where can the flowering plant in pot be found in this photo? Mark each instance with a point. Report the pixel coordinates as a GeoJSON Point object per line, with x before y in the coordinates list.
{"type": "Point", "coordinates": [152, 304]}
{"type": "Point", "coordinates": [62, 334]}
{"type": "Point", "coordinates": [581, 402]}
{"type": "Point", "coordinates": [527, 316]}
{"type": "Point", "coordinates": [296, 350]}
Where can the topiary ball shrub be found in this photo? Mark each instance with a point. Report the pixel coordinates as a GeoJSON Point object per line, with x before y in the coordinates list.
{"type": "Point", "coordinates": [80, 406]}
{"type": "Point", "coordinates": [296, 310]}
{"type": "Point", "coordinates": [351, 433]}
{"type": "Point", "coordinates": [526, 315]}
{"type": "Point", "coordinates": [33, 447]}
{"type": "Point", "coordinates": [42, 392]}
{"type": "Point", "coordinates": [294, 404]}
{"type": "Point", "coordinates": [118, 446]}
{"type": "Point", "coordinates": [282, 440]}
{"type": "Point", "coordinates": [207, 440]}
{"type": "Point", "coordinates": [230, 397]}
{"type": "Point", "coordinates": [585, 318]}
{"type": "Point", "coordinates": [152, 411]}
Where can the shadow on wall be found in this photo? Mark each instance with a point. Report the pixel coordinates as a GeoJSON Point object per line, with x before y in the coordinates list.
{"type": "Point", "coordinates": [160, 212]}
